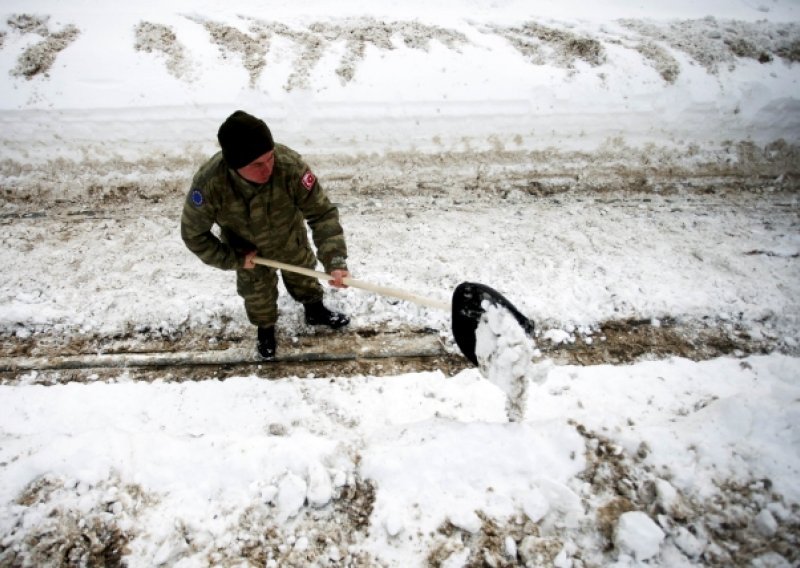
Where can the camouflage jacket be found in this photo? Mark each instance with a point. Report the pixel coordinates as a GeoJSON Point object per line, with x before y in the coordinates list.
{"type": "Point", "coordinates": [268, 217]}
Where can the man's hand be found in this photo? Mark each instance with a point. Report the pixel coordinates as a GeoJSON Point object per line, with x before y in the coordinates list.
{"type": "Point", "coordinates": [338, 275]}
{"type": "Point", "coordinates": [248, 259]}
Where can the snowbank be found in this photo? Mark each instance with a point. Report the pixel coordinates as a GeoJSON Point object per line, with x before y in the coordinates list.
{"type": "Point", "coordinates": [158, 79]}
{"type": "Point", "coordinates": [429, 465]}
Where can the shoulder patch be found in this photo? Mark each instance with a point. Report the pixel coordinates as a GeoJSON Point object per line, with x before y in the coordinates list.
{"type": "Point", "coordinates": [308, 180]}
{"type": "Point", "coordinates": [197, 198]}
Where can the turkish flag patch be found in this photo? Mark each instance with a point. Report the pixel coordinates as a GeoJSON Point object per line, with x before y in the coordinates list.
{"type": "Point", "coordinates": [308, 180]}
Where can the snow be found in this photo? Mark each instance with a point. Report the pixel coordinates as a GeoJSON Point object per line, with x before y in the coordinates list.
{"type": "Point", "coordinates": [459, 148]}
{"type": "Point", "coordinates": [205, 450]}
{"type": "Point", "coordinates": [766, 523]}
{"type": "Point", "coordinates": [638, 535]}
{"type": "Point", "coordinates": [506, 356]}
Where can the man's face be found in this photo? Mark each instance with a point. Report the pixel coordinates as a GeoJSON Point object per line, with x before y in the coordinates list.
{"type": "Point", "coordinates": [259, 170]}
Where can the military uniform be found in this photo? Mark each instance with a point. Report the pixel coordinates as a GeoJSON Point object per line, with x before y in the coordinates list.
{"type": "Point", "coordinates": [269, 218]}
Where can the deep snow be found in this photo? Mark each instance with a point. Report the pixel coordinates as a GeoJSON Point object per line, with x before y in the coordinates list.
{"type": "Point", "coordinates": [594, 163]}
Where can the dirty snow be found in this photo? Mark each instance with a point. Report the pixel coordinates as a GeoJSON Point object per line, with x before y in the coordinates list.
{"type": "Point", "coordinates": [620, 162]}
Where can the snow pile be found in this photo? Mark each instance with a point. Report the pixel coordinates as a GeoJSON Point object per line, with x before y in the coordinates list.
{"type": "Point", "coordinates": [419, 468]}
{"type": "Point", "coordinates": [437, 477]}
{"type": "Point", "coordinates": [506, 357]}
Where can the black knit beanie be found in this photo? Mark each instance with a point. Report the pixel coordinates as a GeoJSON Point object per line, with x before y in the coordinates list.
{"type": "Point", "coordinates": [243, 138]}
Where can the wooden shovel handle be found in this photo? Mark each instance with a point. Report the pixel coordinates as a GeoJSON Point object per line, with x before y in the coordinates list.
{"type": "Point", "coordinates": [381, 290]}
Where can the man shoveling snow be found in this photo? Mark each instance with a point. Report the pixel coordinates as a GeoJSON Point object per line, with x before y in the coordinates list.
{"type": "Point", "coordinates": [261, 195]}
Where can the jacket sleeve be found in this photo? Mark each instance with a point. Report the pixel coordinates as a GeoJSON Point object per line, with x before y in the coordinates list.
{"type": "Point", "coordinates": [322, 217]}
{"type": "Point", "coordinates": [196, 222]}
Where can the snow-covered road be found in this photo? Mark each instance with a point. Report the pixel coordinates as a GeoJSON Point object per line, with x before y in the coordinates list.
{"type": "Point", "coordinates": [626, 173]}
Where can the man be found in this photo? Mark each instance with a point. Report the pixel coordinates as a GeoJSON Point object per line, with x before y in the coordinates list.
{"type": "Point", "coordinates": [261, 195]}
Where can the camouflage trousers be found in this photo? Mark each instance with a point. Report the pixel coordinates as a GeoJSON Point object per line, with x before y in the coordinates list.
{"type": "Point", "coordinates": [258, 287]}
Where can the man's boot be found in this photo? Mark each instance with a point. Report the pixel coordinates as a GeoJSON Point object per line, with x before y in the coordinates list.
{"type": "Point", "coordinates": [318, 314]}
{"type": "Point", "coordinates": [266, 342]}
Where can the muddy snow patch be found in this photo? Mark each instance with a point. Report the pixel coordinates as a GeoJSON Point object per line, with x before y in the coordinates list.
{"type": "Point", "coordinates": [162, 40]}
{"type": "Point", "coordinates": [65, 522]}
{"type": "Point", "coordinates": [235, 43]}
{"type": "Point", "coordinates": [39, 58]}
{"type": "Point", "coordinates": [253, 44]}
{"type": "Point", "coordinates": [360, 33]}
{"type": "Point", "coordinates": [29, 24]}
{"type": "Point", "coordinates": [717, 43]}
{"type": "Point", "coordinates": [506, 357]}
{"type": "Point", "coordinates": [544, 45]}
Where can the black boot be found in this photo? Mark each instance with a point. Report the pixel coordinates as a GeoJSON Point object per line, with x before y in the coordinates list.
{"type": "Point", "coordinates": [318, 314]}
{"type": "Point", "coordinates": [266, 342]}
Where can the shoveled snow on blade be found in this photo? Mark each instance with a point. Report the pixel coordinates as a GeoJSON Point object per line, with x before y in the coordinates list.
{"type": "Point", "coordinates": [506, 357]}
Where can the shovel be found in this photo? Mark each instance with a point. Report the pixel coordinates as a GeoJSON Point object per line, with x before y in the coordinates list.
{"type": "Point", "coordinates": [467, 306]}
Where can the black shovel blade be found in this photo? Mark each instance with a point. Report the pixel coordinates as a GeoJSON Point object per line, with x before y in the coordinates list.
{"type": "Point", "coordinates": [468, 299]}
